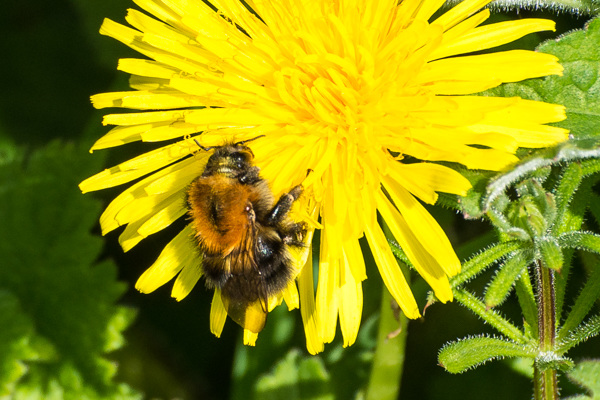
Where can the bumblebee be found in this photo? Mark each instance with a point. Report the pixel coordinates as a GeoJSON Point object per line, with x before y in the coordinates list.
{"type": "Point", "coordinates": [244, 237]}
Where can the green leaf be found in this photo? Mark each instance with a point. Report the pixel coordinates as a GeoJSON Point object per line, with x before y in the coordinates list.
{"type": "Point", "coordinates": [579, 334]}
{"type": "Point", "coordinates": [550, 360]}
{"type": "Point", "coordinates": [250, 362]}
{"type": "Point", "coordinates": [573, 150]}
{"type": "Point", "coordinates": [550, 252]}
{"type": "Point", "coordinates": [586, 374]}
{"type": "Point", "coordinates": [565, 190]}
{"type": "Point", "coordinates": [584, 303]}
{"type": "Point", "coordinates": [501, 284]}
{"type": "Point", "coordinates": [526, 299]}
{"type": "Point", "coordinates": [295, 378]}
{"type": "Point", "coordinates": [478, 263]}
{"type": "Point", "coordinates": [579, 87]}
{"type": "Point", "coordinates": [587, 241]}
{"type": "Point", "coordinates": [490, 316]}
{"type": "Point", "coordinates": [457, 357]}
{"type": "Point", "coordinates": [594, 201]}
{"type": "Point", "coordinates": [47, 264]}
{"type": "Point", "coordinates": [576, 7]}
{"type": "Point", "coordinates": [570, 219]}
{"type": "Point", "coordinates": [18, 343]}
{"type": "Point", "coordinates": [470, 204]}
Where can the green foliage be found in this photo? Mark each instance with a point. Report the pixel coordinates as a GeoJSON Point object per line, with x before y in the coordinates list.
{"type": "Point", "coordinates": [544, 237]}
{"type": "Point", "coordinates": [491, 316]}
{"type": "Point", "coordinates": [575, 7]}
{"type": "Point", "coordinates": [583, 304]}
{"type": "Point", "coordinates": [64, 307]}
{"type": "Point", "coordinates": [296, 378]}
{"type": "Point", "coordinates": [577, 89]}
{"type": "Point", "coordinates": [468, 353]}
{"type": "Point", "coordinates": [586, 374]}
{"type": "Point", "coordinates": [18, 343]}
{"type": "Point", "coordinates": [484, 259]}
{"type": "Point", "coordinates": [500, 286]}
{"type": "Point", "coordinates": [346, 369]}
{"type": "Point", "coordinates": [527, 302]}
{"type": "Point", "coordinates": [389, 355]}
{"type": "Point", "coordinates": [538, 210]}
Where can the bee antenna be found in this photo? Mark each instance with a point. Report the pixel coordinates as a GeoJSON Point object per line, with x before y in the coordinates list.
{"type": "Point", "coordinates": [202, 147]}
{"type": "Point", "coordinates": [248, 140]}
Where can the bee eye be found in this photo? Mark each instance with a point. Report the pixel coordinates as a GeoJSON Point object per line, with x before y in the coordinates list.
{"type": "Point", "coordinates": [241, 158]}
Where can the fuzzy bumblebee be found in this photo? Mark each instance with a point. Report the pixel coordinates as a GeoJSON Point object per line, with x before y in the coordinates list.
{"type": "Point", "coordinates": [244, 237]}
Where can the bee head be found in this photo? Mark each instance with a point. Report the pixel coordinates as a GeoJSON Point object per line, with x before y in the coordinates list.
{"type": "Point", "coordinates": [235, 156]}
{"type": "Point", "coordinates": [230, 159]}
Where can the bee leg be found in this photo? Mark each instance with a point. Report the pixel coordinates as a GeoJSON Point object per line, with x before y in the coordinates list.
{"type": "Point", "coordinates": [250, 176]}
{"type": "Point", "coordinates": [283, 206]}
{"type": "Point", "coordinates": [296, 234]}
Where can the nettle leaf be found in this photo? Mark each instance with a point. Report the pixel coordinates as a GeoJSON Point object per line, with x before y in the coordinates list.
{"type": "Point", "coordinates": [586, 374]}
{"type": "Point", "coordinates": [47, 254]}
{"type": "Point", "coordinates": [578, 90]}
{"type": "Point", "coordinates": [295, 378]}
{"type": "Point", "coordinates": [457, 357]}
{"type": "Point", "coordinates": [18, 343]}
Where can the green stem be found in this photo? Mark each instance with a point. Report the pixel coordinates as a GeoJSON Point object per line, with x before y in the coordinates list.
{"type": "Point", "coordinates": [545, 381]}
{"type": "Point", "coordinates": [384, 383]}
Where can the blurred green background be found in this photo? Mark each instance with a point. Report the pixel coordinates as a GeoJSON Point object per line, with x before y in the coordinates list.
{"type": "Point", "coordinates": [53, 60]}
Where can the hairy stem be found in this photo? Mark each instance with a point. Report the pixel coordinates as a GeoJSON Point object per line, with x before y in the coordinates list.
{"type": "Point", "coordinates": [545, 381]}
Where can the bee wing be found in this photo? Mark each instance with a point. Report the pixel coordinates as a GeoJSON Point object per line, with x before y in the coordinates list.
{"type": "Point", "coordinates": [242, 254]}
{"type": "Point", "coordinates": [251, 316]}
{"type": "Point", "coordinates": [249, 313]}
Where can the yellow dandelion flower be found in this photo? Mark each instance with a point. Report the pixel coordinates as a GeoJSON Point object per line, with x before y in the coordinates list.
{"type": "Point", "coordinates": [348, 89]}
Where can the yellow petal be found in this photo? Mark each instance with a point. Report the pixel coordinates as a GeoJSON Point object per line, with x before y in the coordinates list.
{"type": "Point", "coordinates": [218, 314]}
{"type": "Point", "coordinates": [424, 226]}
{"type": "Point", "coordinates": [506, 66]}
{"type": "Point", "coordinates": [290, 295]}
{"type": "Point", "coordinates": [250, 338]}
{"type": "Point", "coordinates": [425, 264]}
{"type": "Point", "coordinates": [177, 254]}
{"type": "Point", "coordinates": [425, 179]}
{"type": "Point", "coordinates": [459, 12]}
{"type": "Point", "coordinates": [314, 342]}
{"type": "Point", "coordinates": [327, 288]}
{"type": "Point", "coordinates": [390, 272]}
{"type": "Point", "coordinates": [135, 168]}
{"type": "Point", "coordinates": [492, 35]}
{"type": "Point", "coordinates": [186, 280]}
{"type": "Point", "coordinates": [351, 302]}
